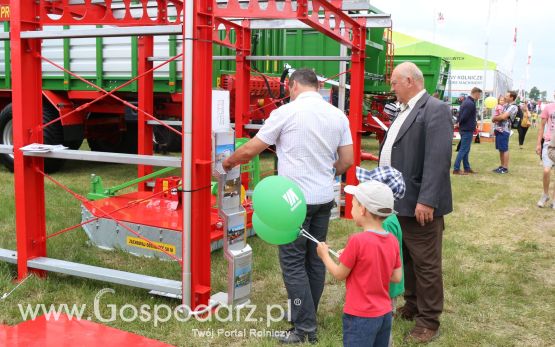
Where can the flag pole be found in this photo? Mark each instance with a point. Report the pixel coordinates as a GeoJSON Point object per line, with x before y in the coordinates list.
{"type": "Point", "coordinates": [482, 108]}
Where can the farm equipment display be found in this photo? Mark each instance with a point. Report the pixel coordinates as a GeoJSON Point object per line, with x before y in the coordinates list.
{"type": "Point", "coordinates": [101, 69]}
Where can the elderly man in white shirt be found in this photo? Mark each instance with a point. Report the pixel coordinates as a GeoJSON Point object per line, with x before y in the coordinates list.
{"type": "Point", "coordinates": [419, 145]}
{"type": "Point", "coordinates": [314, 144]}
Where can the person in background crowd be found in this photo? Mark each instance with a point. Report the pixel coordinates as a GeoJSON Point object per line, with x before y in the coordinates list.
{"type": "Point", "coordinates": [392, 110]}
{"type": "Point", "coordinates": [500, 106]}
{"type": "Point", "coordinates": [467, 125]}
{"type": "Point", "coordinates": [545, 133]}
{"type": "Point", "coordinates": [530, 105]}
{"type": "Point", "coordinates": [534, 117]}
{"type": "Point", "coordinates": [503, 131]}
{"type": "Point", "coordinates": [497, 111]}
{"type": "Point", "coordinates": [523, 125]}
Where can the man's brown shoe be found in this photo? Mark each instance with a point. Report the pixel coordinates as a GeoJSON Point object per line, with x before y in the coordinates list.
{"type": "Point", "coordinates": [404, 313]}
{"type": "Point", "coordinates": [421, 335]}
{"type": "Point", "coordinates": [471, 172]}
{"type": "Point", "coordinates": [459, 172]}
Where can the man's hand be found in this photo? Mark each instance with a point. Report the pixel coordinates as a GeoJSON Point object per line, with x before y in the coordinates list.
{"type": "Point", "coordinates": [424, 214]}
{"type": "Point", "coordinates": [539, 149]}
{"type": "Point", "coordinates": [244, 153]}
{"type": "Point", "coordinates": [227, 165]}
{"type": "Point", "coordinates": [322, 250]}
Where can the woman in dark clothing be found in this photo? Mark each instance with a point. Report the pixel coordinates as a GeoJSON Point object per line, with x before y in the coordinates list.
{"type": "Point", "coordinates": [523, 125]}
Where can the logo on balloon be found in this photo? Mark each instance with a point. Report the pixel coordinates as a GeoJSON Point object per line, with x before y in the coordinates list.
{"type": "Point", "coordinates": [279, 210]}
{"type": "Point", "coordinates": [292, 199]}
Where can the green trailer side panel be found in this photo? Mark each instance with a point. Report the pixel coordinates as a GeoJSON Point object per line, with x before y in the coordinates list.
{"type": "Point", "coordinates": [435, 71]}
{"type": "Point", "coordinates": [134, 62]}
{"type": "Point", "coordinates": [292, 42]}
{"type": "Point", "coordinates": [173, 65]}
{"type": "Point", "coordinates": [264, 43]}
{"type": "Point", "coordinates": [67, 45]}
{"type": "Point", "coordinates": [7, 71]}
{"type": "Point", "coordinates": [99, 60]}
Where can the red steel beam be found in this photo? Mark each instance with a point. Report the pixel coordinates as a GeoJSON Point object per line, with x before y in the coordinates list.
{"type": "Point", "coordinates": [355, 110]}
{"type": "Point", "coordinates": [27, 115]}
{"type": "Point", "coordinates": [201, 152]}
{"type": "Point", "coordinates": [344, 28]}
{"type": "Point", "coordinates": [146, 104]}
{"type": "Point", "coordinates": [222, 25]}
{"type": "Point", "coordinates": [119, 13]}
{"type": "Point", "coordinates": [242, 80]}
{"type": "Point", "coordinates": [272, 9]}
{"type": "Point", "coordinates": [253, 9]}
{"type": "Point", "coordinates": [242, 90]}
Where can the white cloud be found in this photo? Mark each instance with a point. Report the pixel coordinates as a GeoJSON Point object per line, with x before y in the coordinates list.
{"type": "Point", "coordinates": [465, 28]}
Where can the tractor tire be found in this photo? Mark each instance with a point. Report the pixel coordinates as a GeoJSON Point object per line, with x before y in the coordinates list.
{"type": "Point", "coordinates": [6, 135]}
{"type": "Point", "coordinates": [112, 139]}
{"type": "Point", "coordinates": [166, 140]}
{"type": "Point", "coordinates": [52, 135]}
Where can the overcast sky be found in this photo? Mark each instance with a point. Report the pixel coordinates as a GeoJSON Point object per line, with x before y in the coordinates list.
{"type": "Point", "coordinates": [465, 28]}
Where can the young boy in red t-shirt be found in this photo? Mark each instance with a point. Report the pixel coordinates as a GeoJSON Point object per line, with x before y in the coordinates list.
{"type": "Point", "coordinates": [369, 262]}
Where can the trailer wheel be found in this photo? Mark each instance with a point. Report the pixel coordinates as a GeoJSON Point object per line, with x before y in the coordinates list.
{"type": "Point", "coordinates": [166, 140]}
{"type": "Point", "coordinates": [109, 138]}
{"type": "Point", "coordinates": [53, 135]}
{"type": "Point", "coordinates": [6, 135]}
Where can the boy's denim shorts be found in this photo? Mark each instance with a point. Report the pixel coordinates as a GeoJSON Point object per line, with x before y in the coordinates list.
{"type": "Point", "coordinates": [363, 331]}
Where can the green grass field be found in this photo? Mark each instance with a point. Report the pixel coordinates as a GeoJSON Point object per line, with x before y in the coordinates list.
{"type": "Point", "coordinates": [499, 273]}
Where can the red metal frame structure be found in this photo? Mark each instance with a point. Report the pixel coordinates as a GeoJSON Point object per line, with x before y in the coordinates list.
{"type": "Point", "coordinates": [27, 100]}
{"type": "Point", "coordinates": [146, 103]}
{"type": "Point", "coordinates": [336, 24]}
{"type": "Point", "coordinates": [201, 21]}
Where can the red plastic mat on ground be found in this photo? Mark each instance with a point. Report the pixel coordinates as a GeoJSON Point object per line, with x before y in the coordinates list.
{"type": "Point", "coordinates": [66, 332]}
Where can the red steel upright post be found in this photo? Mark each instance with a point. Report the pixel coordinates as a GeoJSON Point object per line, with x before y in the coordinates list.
{"type": "Point", "coordinates": [355, 110]}
{"type": "Point", "coordinates": [146, 103]}
{"type": "Point", "coordinates": [27, 116]}
{"type": "Point", "coordinates": [201, 150]}
{"type": "Point", "coordinates": [242, 78]}
{"type": "Point", "coordinates": [242, 91]}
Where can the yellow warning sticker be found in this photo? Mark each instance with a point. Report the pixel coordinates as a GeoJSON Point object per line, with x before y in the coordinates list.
{"type": "Point", "coordinates": [137, 242]}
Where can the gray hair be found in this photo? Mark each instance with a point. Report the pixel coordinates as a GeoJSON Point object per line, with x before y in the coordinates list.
{"type": "Point", "coordinates": [409, 69]}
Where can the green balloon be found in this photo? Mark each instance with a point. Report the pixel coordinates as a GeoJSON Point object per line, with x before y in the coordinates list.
{"type": "Point", "coordinates": [279, 203]}
{"type": "Point", "coordinates": [271, 235]}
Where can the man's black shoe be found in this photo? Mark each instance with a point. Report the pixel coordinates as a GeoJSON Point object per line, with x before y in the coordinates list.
{"type": "Point", "coordinates": [293, 337]}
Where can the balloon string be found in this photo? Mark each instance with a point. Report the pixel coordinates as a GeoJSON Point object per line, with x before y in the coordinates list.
{"type": "Point", "coordinates": [312, 238]}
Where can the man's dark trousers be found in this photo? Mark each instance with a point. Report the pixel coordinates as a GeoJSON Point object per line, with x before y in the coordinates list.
{"type": "Point", "coordinates": [464, 151]}
{"type": "Point", "coordinates": [303, 271]}
{"type": "Point", "coordinates": [422, 267]}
